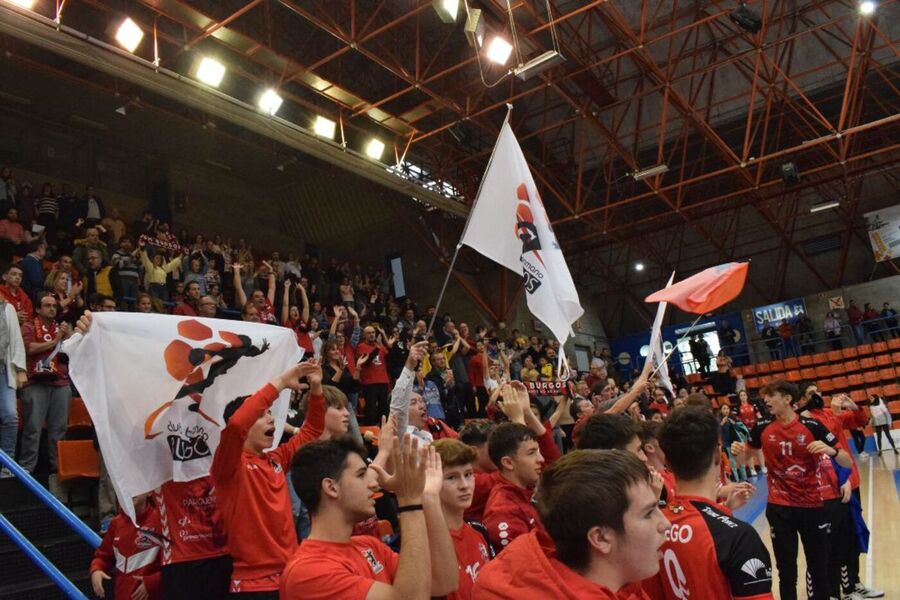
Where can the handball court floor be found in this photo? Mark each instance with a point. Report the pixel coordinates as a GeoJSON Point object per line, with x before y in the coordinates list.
{"type": "Point", "coordinates": [880, 490]}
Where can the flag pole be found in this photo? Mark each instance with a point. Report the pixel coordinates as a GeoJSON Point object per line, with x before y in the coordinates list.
{"type": "Point", "coordinates": [665, 357]}
{"type": "Point", "coordinates": [459, 245]}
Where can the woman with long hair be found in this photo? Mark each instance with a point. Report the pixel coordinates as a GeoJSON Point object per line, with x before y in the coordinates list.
{"type": "Point", "coordinates": [342, 373]}
{"type": "Point", "coordinates": [748, 415]}
{"type": "Point", "coordinates": [881, 420]}
{"type": "Point", "coordinates": [70, 301]}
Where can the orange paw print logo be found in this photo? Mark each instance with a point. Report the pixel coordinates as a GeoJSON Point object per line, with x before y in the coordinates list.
{"type": "Point", "coordinates": [197, 364]}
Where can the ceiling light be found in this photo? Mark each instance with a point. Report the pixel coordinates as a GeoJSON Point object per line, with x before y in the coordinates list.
{"type": "Point", "coordinates": [824, 206]}
{"type": "Point", "coordinates": [651, 172]}
{"type": "Point", "coordinates": [375, 148]}
{"type": "Point", "coordinates": [324, 127]}
{"type": "Point", "coordinates": [867, 7]}
{"type": "Point", "coordinates": [639, 266]}
{"type": "Point", "coordinates": [129, 35]}
{"type": "Point", "coordinates": [270, 102]}
{"type": "Point", "coordinates": [210, 71]}
{"type": "Point", "coordinates": [23, 3]}
{"type": "Point", "coordinates": [499, 50]}
{"type": "Point", "coordinates": [446, 9]}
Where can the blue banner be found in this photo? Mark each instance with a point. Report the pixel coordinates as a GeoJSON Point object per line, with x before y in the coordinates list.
{"type": "Point", "coordinates": [787, 310]}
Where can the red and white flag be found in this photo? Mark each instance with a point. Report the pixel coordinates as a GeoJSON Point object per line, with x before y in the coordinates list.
{"type": "Point", "coordinates": [156, 387]}
{"type": "Point", "coordinates": [707, 290]}
{"type": "Point", "coordinates": [656, 354]}
{"type": "Point", "coordinates": [509, 225]}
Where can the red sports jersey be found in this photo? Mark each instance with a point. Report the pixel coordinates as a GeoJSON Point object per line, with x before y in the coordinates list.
{"type": "Point", "coordinates": [509, 513]}
{"type": "Point", "coordinates": [191, 523]}
{"type": "Point", "coordinates": [472, 553]}
{"type": "Point", "coordinates": [710, 554]}
{"type": "Point", "coordinates": [668, 485]}
{"type": "Point", "coordinates": [527, 571]}
{"type": "Point", "coordinates": [373, 370]}
{"type": "Point", "coordinates": [253, 496]}
{"type": "Point", "coordinates": [747, 415]}
{"type": "Point", "coordinates": [267, 313]}
{"type": "Point", "coordinates": [128, 552]}
{"type": "Point", "coordinates": [302, 331]}
{"type": "Point", "coordinates": [793, 471]}
{"type": "Point", "coordinates": [484, 483]}
{"type": "Point", "coordinates": [327, 570]}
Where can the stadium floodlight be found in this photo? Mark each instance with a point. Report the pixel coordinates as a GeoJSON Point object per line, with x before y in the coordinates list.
{"type": "Point", "coordinates": [375, 148]}
{"type": "Point", "coordinates": [499, 50]}
{"type": "Point", "coordinates": [129, 35]}
{"type": "Point", "coordinates": [324, 127]}
{"type": "Point", "coordinates": [867, 8]}
{"type": "Point", "coordinates": [270, 102]}
{"type": "Point", "coordinates": [29, 4]}
{"type": "Point", "coordinates": [638, 266]}
{"type": "Point", "coordinates": [651, 172]}
{"type": "Point", "coordinates": [447, 10]}
{"type": "Point", "coordinates": [475, 28]}
{"type": "Point", "coordinates": [824, 206]}
{"type": "Point", "coordinates": [210, 71]}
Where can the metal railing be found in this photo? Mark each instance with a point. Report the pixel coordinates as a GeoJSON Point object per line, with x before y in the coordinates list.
{"type": "Point", "coordinates": [60, 509]}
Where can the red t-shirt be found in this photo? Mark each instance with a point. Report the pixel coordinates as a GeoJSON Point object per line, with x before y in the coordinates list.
{"type": "Point", "coordinates": [267, 313]}
{"type": "Point", "coordinates": [747, 415]}
{"type": "Point", "coordinates": [302, 331]}
{"type": "Point", "coordinates": [472, 553]}
{"type": "Point", "coordinates": [793, 471]}
{"type": "Point", "coordinates": [509, 513]}
{"type": "Point", "coordinates": [128, 552]}
{"type": "Point", "coordinates": [830, 486]}
{"type": "Point", "coordinates": [184, 310]}
{"type": "Point", "coordinates": [53, 372]}
{"type": "Point", "coordinates": [710, 554]}
{"type": "Point", "coordinates": [527, 571]}
{"type": "Point", "coordinates": [373, 370]}
{"type": "Point", "coordinates": [19, 299]}
{"type": "Point", "coordinates": [191, 523]}
{"type": "Point", "coordinates": [253, 497]}
{"type": "Point", "coordinates": [476, 369]}
{"type": "Point", "coordinates": [484, 483]}
{"type": "Point", "coordinates": [327, 570]}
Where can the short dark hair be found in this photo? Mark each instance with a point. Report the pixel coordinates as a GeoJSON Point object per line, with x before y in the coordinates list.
{"type": "Point", "coordinates": [10, 267]}
{"type": "Point", "coordinates": [192, 282]}
{"type": "Point", "coordinates": [781, 386]}
{"type": "Point", "coordinates": [476, 432]}
{"type": "Point", "coordinates": [689, 437]}
{"type": "Point", "coordinates": [506, 439]}
{"type": "Point", "coordinates": [321, 460]}
{"type": "Point", "coordinates": [607, 432]}
{"type": "Point", "coordinates": [582, 490]}
{"type": "Point", "coordinates": [803, 386]}
{"type": "Point", "coordinates": [231, 408]}
{"type": "Point", "coordinates": [650, 430]}
{"type": "Point", "coordinates": [35, 245]}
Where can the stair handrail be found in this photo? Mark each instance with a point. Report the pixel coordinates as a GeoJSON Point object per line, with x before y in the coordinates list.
{"type": "Point", "coordinates": [41, 561]}
{"type": "Point", "coordinates": [52, 502]}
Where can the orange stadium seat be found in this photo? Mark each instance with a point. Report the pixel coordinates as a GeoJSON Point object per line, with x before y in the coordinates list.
{"type": "Point", "coordinates": [888, 374]}
{"type": "Point", "coordinates": [892, 390]}
{"type": "Point", "coordinates": [867, 363]}
{"type": "Point", "coordinates": [850, 352]}
{"type": "Point", "coordinates": [777, 366]}
{"type": "Point", "coordinates": [78, 414]}
{"type": "Point", "coordinates": [793, 375]}
{"type": "Point", "coordinates": [791, 363]}
{"type": "Point", "coordinates": [851, 366]}
{"type": "Point", "coordinates": [883, 360]}
{"type": "Point", "coordinates": [871, 376]}
{"type": "Point", "coordinates": [752, 383]}
{"type": "Point", "coordinates": [826, 385]}
{"type": "Point", "coordinates": [874, 391]}
{"type": "Point", "coordinates": [840, 383]}
{"type": "Point", "coordinates": [879, 347]}
{"type": "Point", "coordinates": [834, 355]}
{"type": "Point", "coordinates": [858, 396]}
{"type": "Point", "coordinates": [77, 458]}
{"type": "Point", "coordinates": [855, 379]}
{"type": "Point", "coordinates": [894, 343]}
{"type": "Point", "coordinates": [750, 370]}
{"type": "Point", "coordinates": [895, 357]}
{"type": "Point", "coordinates": [807, 373]}
{"type": "Point", "coordinates": [823, 371]}
{"type": "Point", "coordinates": [819, 358]}
{"type": "Point", "coordinates": [805, 360]}
{"type": "Point", "coordinates": [763, 368]}
{"type": "Point", "coordinates": [864, 349]}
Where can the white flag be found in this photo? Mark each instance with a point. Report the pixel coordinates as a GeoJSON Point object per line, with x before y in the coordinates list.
{"type": "Point", "coordinates": [656, 355]}
{"type": "Point", "coordinates": [156, 386]}
{"type": "Point", "coordinates": [509, 225]}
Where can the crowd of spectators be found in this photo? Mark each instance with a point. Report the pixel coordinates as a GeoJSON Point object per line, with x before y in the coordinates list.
{"type": "Point", "coordinates": [496, 414]}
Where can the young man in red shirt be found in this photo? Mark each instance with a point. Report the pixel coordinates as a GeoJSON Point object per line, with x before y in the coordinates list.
{"type": "Point", "coordinates": [606, 529]}
{"type": "Point", "coordinates": [791, 446]}
{"type": "Point", "coordinates": [191, 305]}
{"type": "Point", "coordinates": [337, 486]}
{"type": "Point", "coordinates": [509, 511]}
{"type": "Point", "coordinates": [371, 356]}
{"type": "Point", "coordinates": [473, 551]}
{"type": "Point", "coordinates": [837, 488]}
{"type": "Point", "coordinates": [475, 434]}
{"type": "Point", "coordinates": [252, 489]}
{"type": "Point", "coordinates": [708, 553]}
{"type": "Point", "coordinates": [12, 292]}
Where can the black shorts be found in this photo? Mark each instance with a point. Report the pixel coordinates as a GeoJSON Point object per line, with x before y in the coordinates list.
{"type": "Point", "coordinates": [205, 579]}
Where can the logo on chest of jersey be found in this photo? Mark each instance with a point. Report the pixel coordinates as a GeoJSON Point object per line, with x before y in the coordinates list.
{"type": "Point", "coordinates": [484, 551]}
{"type": "Point", "coordinates": [801, 438]}
{"type": "Point", "coordinates": [376, 566]}
{"type": "Point", "coordinates": [772, 437]}
{"type": "Point", "coordinates": [679, 533]}
{"type": "Point", "coordinates": [795, 470]}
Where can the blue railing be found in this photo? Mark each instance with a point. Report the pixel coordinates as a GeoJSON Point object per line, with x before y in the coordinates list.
{"type": "Point", "coordinates": [60, 509]}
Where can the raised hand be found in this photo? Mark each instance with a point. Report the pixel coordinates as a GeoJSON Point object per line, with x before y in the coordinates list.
{"type": "Point", "coordinates": [84, 323]}
{"type": "Point", "coordinates": [656, 481]}
{"type": "Point", "coordinates": [408, 480]}
{"type": "Point", "coordinates": [434, 472]}
{"type": "Point", "coordinates": [416, 353]}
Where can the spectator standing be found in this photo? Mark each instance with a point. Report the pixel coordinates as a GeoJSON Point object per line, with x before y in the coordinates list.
{"type": "Point", "coordinates": [197, 270]}
{"type": "Point", "coordinates": [25, 205]}
{"type": "Point", "coordinates": [99, 277]}
{"type": "Point", "coordinates": [12, 235]}
{"type": "Point", "coordinates": [13, 374]}
{"type": "Point", "coordinates": [7, 189]}
{"type": "Point", "coordinates": [855, 318]}
{"type": "Point", "coordinates": [263, 301]}
{"type": "Point", "coordinates": [872, 324]}
{"type": "Point", "coordinates": [12, 292]}
{"type": "Point", "coordinates": [46, 210]}
{"type": "Point", "coordinates": [156, 273]}
{"type": "Point", "coordinates": [373, 376]}
{"type": "Point", "coordinates": [727, 338]}
{"type": "Point", "coordinates": [772, 339]}
{"type": "Point", "coordinates": [190, 307]}
{"type": "Point", "coordinates": [115, 225]}
{"type": "Point", "coordinates": [90, 242]}
{"type": "Point", "coordinates": [46, 395]}
{"type": "Point", "coordinates": [33, 267]}
{"type": "Point", "coordinates": [127, 262]}
{"type": "Point", "coordinates": [890, 320]}
{"type": "Point", "coordinates": [881, 421]}
{"type": "Point", "coordinates": [91, 209]}
{"type": "Point", "coordinates": [832, 326]}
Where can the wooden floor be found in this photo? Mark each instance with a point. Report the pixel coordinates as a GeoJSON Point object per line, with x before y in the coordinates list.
{"type": "Point", "coordinates": [880, 489]}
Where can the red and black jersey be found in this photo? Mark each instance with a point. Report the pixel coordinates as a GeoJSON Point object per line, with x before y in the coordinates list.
{"type": "Point", "coordinates": [793, 470]}
{"type": "Point", "coordinates": [708, 554]}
